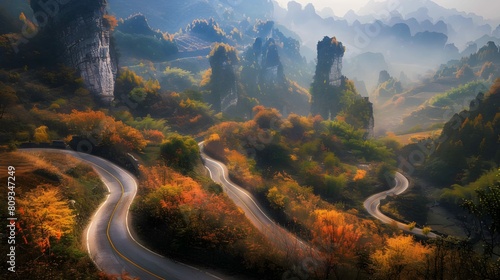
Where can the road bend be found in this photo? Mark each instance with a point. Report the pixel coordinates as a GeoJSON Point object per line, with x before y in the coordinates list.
{"type": "Point", "coordinates": [372, 205]}
{"type": "Point", "coordinates": [108, 238]}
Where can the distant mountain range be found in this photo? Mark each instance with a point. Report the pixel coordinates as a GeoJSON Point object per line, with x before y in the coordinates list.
{"type": "Point", "coordinates": [405, 38]}
{"type": "Point", "coordinates": [171, 15]}
{"type": "Point", "coordinates": [412, 35]}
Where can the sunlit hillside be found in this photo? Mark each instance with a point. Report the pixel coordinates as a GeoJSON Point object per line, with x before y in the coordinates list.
{"type": "Point", "coordinates": [237, 139]}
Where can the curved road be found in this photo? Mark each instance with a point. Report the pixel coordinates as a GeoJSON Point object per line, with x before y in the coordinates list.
{"type": "Point", "coordinates": [372, 205]}
{"type": "Point", "coordinates": [253, 211]}
{"type": "Point", "coordinates": [114, 250]}
{"type": "Point", "coordinates": [108, 238]}
{"type": "Point", "coordinates": [243, 199]}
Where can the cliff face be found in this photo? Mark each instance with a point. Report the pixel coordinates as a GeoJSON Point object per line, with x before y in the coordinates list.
{"type": "Point", "coordinates": [83, 39]}
{"type": "Point", "coordinates": [332, 93]}
{"type": "Point", "coordinates": [328, 82]}
{"type": "Point", "coordinates": [224, 86]}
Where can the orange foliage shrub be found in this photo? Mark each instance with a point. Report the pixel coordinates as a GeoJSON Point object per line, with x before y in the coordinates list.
{"type": "Point", "coordinates": [340, 237]}
{"type": "Point", "coordinates": [206, 77]}
{"type": "Point", "coordinates": [44, 216]}
{"type": "Point", "coordinates": [226, 132]}
{"type": "Point", "coordinates": [110, 21]}
{"type": "Point", "coordinates": [336, 231]}
{"type": "Point", "coordinates": [297, 127]}
{"type": "Point", "coordinates": [297, 202]}
{"type": "Point", "coordinates": [180, 201]}
{"type": "Point", "coordinates": [402, 257]}
{"type": "Point", "coordinates": [267, 118]}
{"type": "Point", "coordinates": [360, 175]}
{"type": "Point", "coordinates": [240, 169]}
{"type": "Point", "coordinates": [214, 147]}
{"type": "Point", "coordinates": [98, 125]}
{"type": "Point", "coordinates": [153, 136]}
{"type": "Point", "coordinates": [127, 80]}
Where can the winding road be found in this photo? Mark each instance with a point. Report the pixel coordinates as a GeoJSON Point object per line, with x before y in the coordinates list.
{"type": "Point", "coordinates": [113, 249]}
{"type": "Point", "coordinates": [243, 199]}
{"type": "Point", "coordinates": [108, 238]}
{"type": "Point", "coordinates": [372, 205]}
{"type": "Point", "coordinates": [253, 211]}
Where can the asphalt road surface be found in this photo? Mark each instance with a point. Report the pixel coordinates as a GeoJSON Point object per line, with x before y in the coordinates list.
{"type": "Point", "coordinates": [253, 211]}
{"type": "Point", "coordinates": [372, 205]}
{"type": "Point", "coordinates": [108, 238]}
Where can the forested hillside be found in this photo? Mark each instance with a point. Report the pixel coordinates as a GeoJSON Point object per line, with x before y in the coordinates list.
{"type": "Point", "coordinates": [469, 141]}
{"type": "Point", "coordinates": [305, 111]}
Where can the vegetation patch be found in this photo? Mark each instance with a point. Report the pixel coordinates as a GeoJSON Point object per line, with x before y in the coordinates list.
{"type": "Point", "coordinates": [51, 245]}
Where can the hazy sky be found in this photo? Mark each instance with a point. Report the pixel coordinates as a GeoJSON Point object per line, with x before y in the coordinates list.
{"type": "Point", "coordinates": [486, 8]}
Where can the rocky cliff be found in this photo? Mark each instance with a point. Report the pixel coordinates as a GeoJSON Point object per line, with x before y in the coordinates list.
{"type": "Point", "coordinates": [82, 38]}
{"type": "Point", "coordinates": [328, 82]}
{"type": "Point", "coordinates": [333, 94]}
{"type": "Point", "coordinates": [224, 86]}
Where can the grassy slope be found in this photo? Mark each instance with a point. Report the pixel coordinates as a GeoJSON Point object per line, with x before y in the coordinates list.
{"type": "Point", "coordinates": [75, 181]}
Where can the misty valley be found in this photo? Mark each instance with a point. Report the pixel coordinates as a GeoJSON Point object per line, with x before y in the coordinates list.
{"type": "Point", "coordinates": [238, 139]}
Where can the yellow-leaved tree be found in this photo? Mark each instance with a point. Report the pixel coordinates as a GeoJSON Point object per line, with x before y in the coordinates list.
{"type": "Point", "coordinates": [41, 134]}
{"type": "Point", "coordinates": [337, 235]}
{"type": "Point", "coordinates": [45, 215]}
{"type": "Point", "coordinates": [401, 258]}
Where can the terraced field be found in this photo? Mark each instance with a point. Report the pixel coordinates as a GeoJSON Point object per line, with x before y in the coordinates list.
{"type": "Point", "coordinates": [190, 43]}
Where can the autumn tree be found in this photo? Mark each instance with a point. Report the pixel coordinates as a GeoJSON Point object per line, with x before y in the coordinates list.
{"type": "Point", "coordinates": [297, 202]}
{"type": "Point", "coordinates": [134, 92]}
{"type": "Point", "coordinates": [401, 258]}
{"type": "Point", "coordinates": [187, 213]}
{"type": "Point", "coordinates": [240, 167]}
{"type": "Point", "coordinates": [267, 118]}
{"type": "Point", "coordinates": [153, 136]}
{"type": "Point", "coordinates": [103, 130]}
{"type": "Point", "coordinates": [453, 258]}
{"type": "Point", "coordinates": [214, 147]}
{"type": "Point", "coordinates": [41, 134]}
{"type": "Point", "coordinates": [360, 113]}
{"type": "Point", "coordinates": [337, 236]}
{"type": "Point", "coordinates": [412, 226]}
{"type": "Point", "coordinates": [297, 127]}
{"type": "Point", "coordinates": [209, 29]}
{"type": "Point", "coordinates": [426, 230]}
{"type": "Point", "coordinates": [45, 216]}
{"type": "Point", "coordinates": [360, 175]}
{"type": "Point", "coordinates": [486, 211]}
{"type": "Point", "coordinates": [276, 199]}
{"type": "Point", "coordinates": [180, 152]}
{"type": "Point", "coordinates": [110, 21]}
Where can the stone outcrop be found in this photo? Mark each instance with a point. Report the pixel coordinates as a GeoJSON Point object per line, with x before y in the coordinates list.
{"type": "Point", "coordinates": [328, 83]}
{"type": "Point", "coordinates": [266, 59]}
{"type": "Point", "coordinates": [224, 86]}
{"type": "Point", "coordinates": [330, 89]}
{"type": "Point", "coordinates": [82, 38]}
{"type": "Point", "coordinates": [371, 119]}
